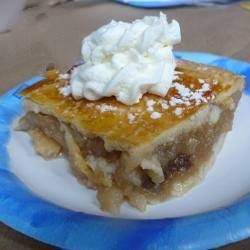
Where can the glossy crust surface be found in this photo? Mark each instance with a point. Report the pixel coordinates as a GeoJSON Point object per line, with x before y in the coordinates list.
{"type": "Point", "coordinates": [132, 126]}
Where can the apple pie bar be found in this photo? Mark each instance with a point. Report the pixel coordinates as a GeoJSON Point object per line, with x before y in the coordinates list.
{"type": "Point", "coordinates": [143, 153]}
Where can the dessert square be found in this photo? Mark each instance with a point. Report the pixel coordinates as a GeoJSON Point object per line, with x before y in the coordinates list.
{"type": "Point", "coordinates": [143, 153]}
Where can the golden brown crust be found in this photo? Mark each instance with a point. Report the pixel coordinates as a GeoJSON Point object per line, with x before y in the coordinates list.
{"type": "Point", "coordinates": [110, 120]}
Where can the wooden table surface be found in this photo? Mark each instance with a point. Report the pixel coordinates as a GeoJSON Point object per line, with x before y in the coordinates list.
{"type": "Point", "coordinates": [43, 35]}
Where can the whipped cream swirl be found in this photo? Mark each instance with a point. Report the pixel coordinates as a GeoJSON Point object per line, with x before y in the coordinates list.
{"type": "Point", "coordinates": [126, 60]}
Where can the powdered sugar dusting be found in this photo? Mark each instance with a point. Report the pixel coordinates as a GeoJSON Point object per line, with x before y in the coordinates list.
{"type": "Point", "coordinates": [188, 96]}
{"type": "Point", "coordinates": [106, 108]}
{"type": "Point", "coordinates": [64, 76]}
{"type": "Point", "coordinates": [183, 91]}
{"type": "Point", "coordinates": [131, 118]}
{"type": "Point", "coordinates": [150, 105]}
{"type": "Point", "coordinates": [176, 101]}
{"type": "Point", "coordinates": [164, 104]}
{"type": "Point", "coordinates": [205, 87]}
{"type": "Point", "coordinates": [66, 90]}
{"type": "Point", "coordinates": [156, 115]}
{"type": "Point", "coordinates": [172, 103]}
{"type": "Point", "coordinates": [178, 111]}
{"type": "Point", "coordinates": [183, 96]}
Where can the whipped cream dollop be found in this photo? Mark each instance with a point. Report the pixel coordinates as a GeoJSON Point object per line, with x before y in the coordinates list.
{"type": "Point", "coordinates": [126, 60]}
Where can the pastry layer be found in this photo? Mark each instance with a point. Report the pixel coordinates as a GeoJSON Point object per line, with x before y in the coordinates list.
{"type": "Point", "coordinates": [125, 152]}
